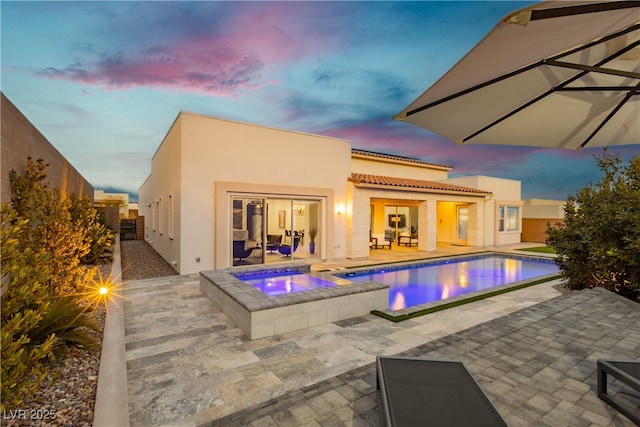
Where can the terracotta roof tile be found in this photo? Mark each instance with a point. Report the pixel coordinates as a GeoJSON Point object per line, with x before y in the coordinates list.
{"type": "Point", "coordinates": [361, 178]}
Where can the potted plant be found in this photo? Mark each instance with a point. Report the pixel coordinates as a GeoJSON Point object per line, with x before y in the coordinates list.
{"type": "Point", "coordinates": [313, 232]}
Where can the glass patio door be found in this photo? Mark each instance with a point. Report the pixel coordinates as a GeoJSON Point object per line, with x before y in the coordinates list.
{"type": "Point", "coordinates": [247, 234]}
{"type": "Point", "coordinates": [462, 225]}
{"type": "Point", "coordinates": [267, 230]}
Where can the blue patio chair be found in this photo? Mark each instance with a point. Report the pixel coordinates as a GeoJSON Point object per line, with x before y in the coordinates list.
{"type": "Point", "coordinates": [286, 249]}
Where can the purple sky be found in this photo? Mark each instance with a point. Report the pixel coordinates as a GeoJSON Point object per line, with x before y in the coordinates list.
{"type": "Point", "coordinates": [103, 81]}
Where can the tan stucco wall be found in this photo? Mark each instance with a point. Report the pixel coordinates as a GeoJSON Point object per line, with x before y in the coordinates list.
{"type": "Point", "coordinates": [505, 192]}
{"type": "Point", "coordinates": [543, 208]}
{"type": "Point", "coordinates": [20, 140]}
{"type": "Point", "coordinates": [260, 158]}
{"type": "Point", "coordinates": [165, 181]}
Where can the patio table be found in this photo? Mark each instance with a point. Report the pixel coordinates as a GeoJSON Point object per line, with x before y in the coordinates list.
{"type": "Point", "coordinates": [427, 392]}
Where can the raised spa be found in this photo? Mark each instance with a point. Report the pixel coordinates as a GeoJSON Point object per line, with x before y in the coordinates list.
{"type": "Point", "coordinates": [286, 306]}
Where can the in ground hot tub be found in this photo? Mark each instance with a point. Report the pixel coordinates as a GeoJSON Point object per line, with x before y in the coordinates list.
{"type": "Point", "coordinates": [303, 298]}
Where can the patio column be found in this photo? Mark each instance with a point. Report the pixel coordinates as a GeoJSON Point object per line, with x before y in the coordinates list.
{"type": "Point", "coordinates": [427, 225]}
{"type": "Point", "coordinates": [358, 228]}
{"type": "Point", "coordinates": [475, 237]}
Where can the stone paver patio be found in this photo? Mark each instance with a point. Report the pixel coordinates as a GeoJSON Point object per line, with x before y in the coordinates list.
{"type": "Point", "coordinates": [533, 352]}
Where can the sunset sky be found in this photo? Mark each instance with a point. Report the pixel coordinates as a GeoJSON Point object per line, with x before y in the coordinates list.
{"type": "Point", "coordinates": [103, 81]}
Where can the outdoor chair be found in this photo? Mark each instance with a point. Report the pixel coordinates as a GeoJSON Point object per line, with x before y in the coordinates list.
{"type": "Point", "coordinates": [239, 251]}
{"type": "Point", "coordinates": [380, 241]}
{"type": "Point", "coordinates": [626, 372]}
{"type": "Point", "coordinates": [406, 239]}
{"type": "Point", "coordinates": [273, 242]}
{"type": "Point", "coordinates": [286, 249]}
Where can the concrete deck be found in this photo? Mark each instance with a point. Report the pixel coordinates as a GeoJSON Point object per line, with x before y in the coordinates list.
{"type": "Point", "coordinates": [533, 351]}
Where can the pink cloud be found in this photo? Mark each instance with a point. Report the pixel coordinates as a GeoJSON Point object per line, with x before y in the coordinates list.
{"type": "Point", "coordinates": [215, 70]}
{"type": "Point", "coordinates": [221, 62]}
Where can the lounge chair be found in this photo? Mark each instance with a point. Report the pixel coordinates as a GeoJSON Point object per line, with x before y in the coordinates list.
{"type": "Point", "coordinates": [273, 242]}
{"type": "Point", "coordinates": [239, 251]}
{"type": "Point", "coordinates": [416, 391]}
{"type": "Point", "coordinates": [380, 241]}
{"type": "Point", "coordinates": [286, 249]}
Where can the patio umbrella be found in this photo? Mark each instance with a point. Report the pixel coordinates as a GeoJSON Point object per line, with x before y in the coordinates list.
{"type": "Point", "coordinates": [555, 74]}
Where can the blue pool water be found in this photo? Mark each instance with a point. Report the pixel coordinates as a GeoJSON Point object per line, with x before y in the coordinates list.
{"type": "Point", "coordinates": [278, 283]}
{"type": "Point", "coordinates": [435, 281]}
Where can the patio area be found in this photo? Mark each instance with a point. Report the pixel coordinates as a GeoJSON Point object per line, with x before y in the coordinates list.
{"type": "Point", "coordinates": [533, 352]}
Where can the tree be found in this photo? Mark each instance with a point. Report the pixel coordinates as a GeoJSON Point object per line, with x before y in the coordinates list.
{"type": "Point", "coordinates": [599, 242]}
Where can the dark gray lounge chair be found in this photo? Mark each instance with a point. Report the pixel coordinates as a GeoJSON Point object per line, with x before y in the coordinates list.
{"type": "Point", "coordinates": [423, 392]}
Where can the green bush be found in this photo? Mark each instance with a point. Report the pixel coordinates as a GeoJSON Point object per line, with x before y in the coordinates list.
{"type": "Point", "coordinates": [52, 228]}
{"type": "Point", "coordinates": [45, 238]}
{"type": "Point", "coordinates": [599, 242]}
{"type": "Point", "coordinates": [24, 303]}
{"type": "Point", "coordinates": [86, 218]}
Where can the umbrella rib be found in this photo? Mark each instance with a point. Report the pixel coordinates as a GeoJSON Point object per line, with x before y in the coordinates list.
{"type": "Point", "coordinates": [611, 114]}
{"type": "Point", "coordinates": [604, 39]}
{"type": "Point", "coordinates": [582, 9]}
{"type": "Point", "coordinates": [589, 68]}
{"type": "Point", "coordinates": [473, 89]}
{"type": "Point", "coordinates": [509, 114]}
{"type": "Point", "coordinates": [595, 89]}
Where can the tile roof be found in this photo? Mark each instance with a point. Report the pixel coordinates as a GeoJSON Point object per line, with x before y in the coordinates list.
{"type": "Point", "coordinates": [361, 178]}
{"type": "Point", "coordinates": [397, 158]}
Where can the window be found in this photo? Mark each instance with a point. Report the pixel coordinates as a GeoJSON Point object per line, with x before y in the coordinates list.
{"type": "Point", "coordinates": [509, 218]}
{"type": "Point", "coordinates": [154, 216]}
{"type": "Point", "coordinates": [170, 217]}
{"type": "Point", "coordinates": [160, 218]}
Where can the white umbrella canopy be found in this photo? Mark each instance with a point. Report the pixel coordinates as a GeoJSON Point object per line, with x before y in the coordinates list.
{"type": "Point", "coordinates": [556, 74]}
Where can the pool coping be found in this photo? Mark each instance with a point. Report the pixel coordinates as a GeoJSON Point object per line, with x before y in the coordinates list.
{"type": "Point", "coordinates": [259, 315]}
{"type": "Point", "coordinates": [253, 299]}
{"type": "Point", "coordinates": [433, 306]}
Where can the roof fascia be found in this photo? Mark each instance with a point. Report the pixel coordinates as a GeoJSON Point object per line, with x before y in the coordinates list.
{"type": "Point", "coordinates": [419, 190]}
{"type": "Point", "coordinates": [417, 163]}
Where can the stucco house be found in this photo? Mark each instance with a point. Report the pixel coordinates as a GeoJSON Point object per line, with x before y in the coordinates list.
{"type": "Point", "coordinates": [223, 192]}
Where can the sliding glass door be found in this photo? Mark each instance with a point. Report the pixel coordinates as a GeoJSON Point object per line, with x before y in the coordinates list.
{"type": "Point", "coordinates": [275, 229]}
{"type": "Point", "coordinates": [401, 219]}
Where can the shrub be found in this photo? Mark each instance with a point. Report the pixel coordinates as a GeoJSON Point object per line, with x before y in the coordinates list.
{"type": "Point", "coordinates": [599, 242]}
{"type": "Point", "coordinates": [24, 303]}
{"type": "Point", "coordinates": [45, 237]}
{"type": "Point", "coordinates": [86, 218]}
{"type": "Point", "coordinates": [51, 228]}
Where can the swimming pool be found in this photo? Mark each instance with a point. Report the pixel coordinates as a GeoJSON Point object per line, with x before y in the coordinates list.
{"type": "Point", "coordinates": [415, 284]}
